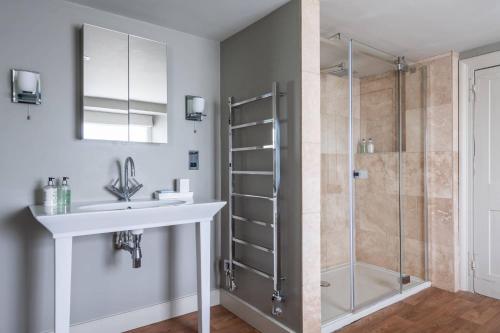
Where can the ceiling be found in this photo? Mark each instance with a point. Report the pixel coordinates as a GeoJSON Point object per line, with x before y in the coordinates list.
{"type": "Point", "coordinates": [414, 28]}
{"type": "Point", "coordinates": [213, 19]}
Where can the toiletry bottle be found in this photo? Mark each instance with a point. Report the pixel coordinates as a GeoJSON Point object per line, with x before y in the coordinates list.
{"type": "Point", "coordinates": [363, 146]}
{"type": "Point", "coordinates": [50, 194]}
{"type": "Point", "coordinates": [370, 146]}
{"type": "Point", "coordinates": [66, 192]}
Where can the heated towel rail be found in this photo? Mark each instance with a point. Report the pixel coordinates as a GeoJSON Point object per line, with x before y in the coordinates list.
{"type": "Point", "coordinates": [234, 263]}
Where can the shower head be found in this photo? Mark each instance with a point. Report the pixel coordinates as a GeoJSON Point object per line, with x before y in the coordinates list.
{"type": "Point", "coordinates": [339, 70]}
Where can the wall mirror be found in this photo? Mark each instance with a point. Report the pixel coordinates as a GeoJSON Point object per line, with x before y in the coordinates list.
{"type": "Point", "coordinates": [124, 87]}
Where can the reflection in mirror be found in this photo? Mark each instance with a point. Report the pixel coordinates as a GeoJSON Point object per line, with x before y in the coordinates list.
{"type": "Point", "coordinates": [125, 87]}
{"type": "Point", "coordinates": [148, 90]}
{"type": "Point", "coordinates": [105, 86]}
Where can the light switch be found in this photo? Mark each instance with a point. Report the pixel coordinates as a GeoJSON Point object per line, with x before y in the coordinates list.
{"type": "Point", "coordinates": [194, 160]}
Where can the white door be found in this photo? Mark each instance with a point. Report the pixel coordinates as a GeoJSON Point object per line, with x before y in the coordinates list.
{"type": "Point", "coordinates": [487, 182]}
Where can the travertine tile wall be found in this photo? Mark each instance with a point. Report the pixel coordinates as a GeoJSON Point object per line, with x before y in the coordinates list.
{"type": "Point", "coordinates": [442, 164]}
{"type": "Point", "coordinates": [310, 165]}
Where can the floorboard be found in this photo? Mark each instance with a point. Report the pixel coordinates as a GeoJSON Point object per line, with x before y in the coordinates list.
{"type": "Point", "coordinates": [222, 321]}
{"type": "Point", "coordinates": [430, 311]}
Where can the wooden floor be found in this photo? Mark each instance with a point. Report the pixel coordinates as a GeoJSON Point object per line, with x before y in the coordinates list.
{"type": "Point", "coordinates": [434, 311]}
{"type": "Point", "coordinates": [222, 321]}
{"type": "Point", "coordinates": [431, 311]}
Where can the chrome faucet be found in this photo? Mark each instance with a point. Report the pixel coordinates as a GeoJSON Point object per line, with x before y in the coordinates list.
{"type": "Point", "coordinates": [130, 241]}
{"type": "Point", "coordinates": [130, 186]}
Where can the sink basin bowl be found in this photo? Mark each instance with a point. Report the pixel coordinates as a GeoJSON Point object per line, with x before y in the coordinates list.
{"type": "Point", "coordinates": [130, 205]}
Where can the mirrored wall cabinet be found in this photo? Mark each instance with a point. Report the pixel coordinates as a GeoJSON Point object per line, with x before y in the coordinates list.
{"type": "Point", "coordinates": [124, 87]}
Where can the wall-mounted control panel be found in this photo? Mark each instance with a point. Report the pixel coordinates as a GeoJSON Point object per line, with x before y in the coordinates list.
{"type": "Point", "coordinates": [194, 160]}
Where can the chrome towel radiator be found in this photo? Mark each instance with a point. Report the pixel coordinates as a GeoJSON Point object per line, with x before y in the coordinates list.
{"type": "Point", "coordinates": [234, 263]}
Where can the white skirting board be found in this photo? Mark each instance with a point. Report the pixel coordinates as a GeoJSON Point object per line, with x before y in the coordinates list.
{"type": "Point", "coordinates": [146, 316]}
{"type": "Point", "coordinates": [352, 317]}
{"type": "Point", "coordinates": [258, 319]}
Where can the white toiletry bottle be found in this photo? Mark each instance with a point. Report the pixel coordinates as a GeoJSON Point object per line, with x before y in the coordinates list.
{"type": "Point", "coordinates": [370, 146]}
{"type": "Point", "coordinates": [362, 147]}
{"type": "Point", "coordinates": [50, 194]}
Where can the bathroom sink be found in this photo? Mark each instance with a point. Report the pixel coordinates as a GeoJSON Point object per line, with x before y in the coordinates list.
{"type": "Point", "coordinates": [130, 205]}
{"type": "Point", "coordinates": [103, 217]}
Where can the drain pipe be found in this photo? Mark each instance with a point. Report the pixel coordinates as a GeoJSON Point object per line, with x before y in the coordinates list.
{"type": "Point", "coordinates": [130, 241]}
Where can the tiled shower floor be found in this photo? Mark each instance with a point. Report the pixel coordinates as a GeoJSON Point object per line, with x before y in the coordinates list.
{"type": "Point", "coordinates": [372, 283]}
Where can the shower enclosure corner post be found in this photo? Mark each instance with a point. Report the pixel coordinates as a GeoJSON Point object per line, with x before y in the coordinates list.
{"type": "Point", "coordinates": [400, 70]}
{"type": "Point", "coordinates": [352, 249]}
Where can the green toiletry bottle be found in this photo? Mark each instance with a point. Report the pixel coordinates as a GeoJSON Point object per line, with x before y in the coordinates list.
{"type": "Point", "coordinates": [66, 190]}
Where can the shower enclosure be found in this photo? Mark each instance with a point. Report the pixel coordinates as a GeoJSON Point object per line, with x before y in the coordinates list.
{"type": "Point", "coordinates": [373, 165]}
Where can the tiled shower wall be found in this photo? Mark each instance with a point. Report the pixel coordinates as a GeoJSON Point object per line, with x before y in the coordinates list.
{"type": "Point", "coordinates": [377, 230]}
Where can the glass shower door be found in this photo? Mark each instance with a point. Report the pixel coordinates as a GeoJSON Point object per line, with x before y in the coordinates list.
{"type": "Point", "coordinates": [376, 254]}
{"type": "Point", "coordinates": [336, 287]}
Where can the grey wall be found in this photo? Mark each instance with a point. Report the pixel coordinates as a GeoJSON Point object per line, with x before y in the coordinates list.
{"type": "Point", "coordinates": [480, 50]}
{"type": "Point", "coordinates": [43, 35]}
{"type": "Point", "coordinates": [251, 60]}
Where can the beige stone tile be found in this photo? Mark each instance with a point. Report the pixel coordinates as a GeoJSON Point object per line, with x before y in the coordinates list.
{"type": "Point", "coordinates": [328, 95]}
{"type": "Point", "coordinates": [342, 134]}
{"type": "Point", "coordinates": [382, 173]}
{"type": "Point", "coordinates": [338, 181]}
{"type": "Point", "coordinates": [441, 226]}
{"type": "Point", "coordinates": [413, 218]}
{"type": "Point", "coordinates": [328, 134]}
{"type": "Point", "coordinates": [311, 271]}
{"type": "Point", "coordinates": [440, 128]}
{"type": "Point", "coordinates": [378, 82]}
{"type": "Point", "coordinates": [442, 267]}
{"type": "Point", "coordinates": [383, 133]}
{"type": "Point", "coordinates": [378, 213]}
{"type": "Point", "coordinates": [311, 249]}
{"type": "Point", "coordinates": [310, 46]}
{"type": "Point", "coordinates": [311, 106]}
{"type": "Point", "coordinates": [440, 81]}
{"type": "Point", "coordinates": [377, 104]}
{"type": "Point", "coordinates": [311, 307]}
{"type": "Point", "coordinates": [414, 89]}
{"type": "Point", "coordinates": [378, 249]}
{"type": "Point", "coordinates": [414, 131]}
{"type": "Point", "coordinates": [413, 174]}
{"type": "Point", "coordinates": [414, 258]}
{"type": "Point", "coordinates": [311, 177]}
{"type": "Point", "coordinates": [440, 174]}
{"type": "Point", "coordinates": [356, 98]}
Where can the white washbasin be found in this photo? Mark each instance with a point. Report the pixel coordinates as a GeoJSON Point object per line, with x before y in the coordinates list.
{"type": "Point", "coordinates": [130, 205]}
{"type": "Point", "coordinates": [102, 217]}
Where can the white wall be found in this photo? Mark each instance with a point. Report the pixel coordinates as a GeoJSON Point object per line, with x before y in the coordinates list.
{"type": "Point", "coordinates": [43, 35]}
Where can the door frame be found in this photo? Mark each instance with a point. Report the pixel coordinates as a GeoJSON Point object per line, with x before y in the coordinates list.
{"type": "Point", "coordinates": [467, 68]}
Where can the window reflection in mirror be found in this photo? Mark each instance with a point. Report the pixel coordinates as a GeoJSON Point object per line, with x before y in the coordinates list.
{"type": "Point", "coordinates": [148, 90]}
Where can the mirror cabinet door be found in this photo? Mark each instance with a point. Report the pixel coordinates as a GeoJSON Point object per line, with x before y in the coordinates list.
{"type": "Point", "coordinates": [105, 84]}
{"type": "Point", "coordinates": [124, 87]}
{"type": "Point", "coordinates": [147, 90]}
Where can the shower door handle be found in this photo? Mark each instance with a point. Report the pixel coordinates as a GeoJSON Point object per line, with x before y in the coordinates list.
{"type": "Point", "coordinates": [360, 174]}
